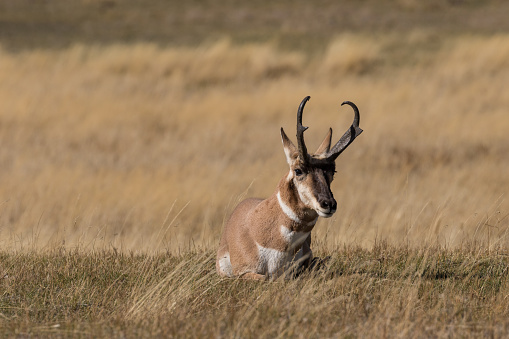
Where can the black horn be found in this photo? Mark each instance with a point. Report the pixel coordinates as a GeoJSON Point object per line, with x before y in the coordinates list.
{"type": "Point", "coordinates": [303, 152]}
{"type": "Point", "coordinates": [349, 136]}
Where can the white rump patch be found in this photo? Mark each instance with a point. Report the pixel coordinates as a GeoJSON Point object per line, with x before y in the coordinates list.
{"type": "Point", "coordinates": [287, 210]}
{"type": "Point", "coordinates": [225, 265]}
{"type": "Point", "coordinates": [294, 239]}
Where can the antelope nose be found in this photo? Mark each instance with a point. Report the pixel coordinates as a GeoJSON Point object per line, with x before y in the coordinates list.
{"type": "Point", "coordinates": [330, 205]}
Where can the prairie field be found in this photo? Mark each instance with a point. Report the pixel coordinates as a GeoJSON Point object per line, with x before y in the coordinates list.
{"type": "Point", "coordinates": [129, 136]}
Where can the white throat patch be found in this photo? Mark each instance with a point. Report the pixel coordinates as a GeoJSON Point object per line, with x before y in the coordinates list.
{"type": "Point", "coordinates": [287, 210]}
{"type": "Point", "coordinates": [294, 239]}
{"type": "Point", "coordinates": [291, 214]}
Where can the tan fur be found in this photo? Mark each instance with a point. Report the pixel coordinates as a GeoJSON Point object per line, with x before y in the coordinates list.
{"type": "Point", "coordinates": [257, 222]}
{"type": "Point", "coordinates": [268, 238]}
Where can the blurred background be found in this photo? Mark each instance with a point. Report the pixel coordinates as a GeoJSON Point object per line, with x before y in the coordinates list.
{"type": "Point", "coordinates": [138, 125]}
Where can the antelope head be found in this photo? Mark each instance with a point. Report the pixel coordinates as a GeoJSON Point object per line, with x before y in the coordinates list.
{"type": "Point", "coordinates": [311, 174]}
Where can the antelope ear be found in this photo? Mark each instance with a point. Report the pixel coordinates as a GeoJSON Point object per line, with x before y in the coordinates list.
{"type": "Point", "coordinates": [324, 147]}
{"type": "Point", "coordinates": [289, 148]}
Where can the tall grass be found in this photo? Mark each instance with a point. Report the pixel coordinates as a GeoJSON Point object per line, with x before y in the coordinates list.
{"type": "Point", "coordinates": [102, 146]}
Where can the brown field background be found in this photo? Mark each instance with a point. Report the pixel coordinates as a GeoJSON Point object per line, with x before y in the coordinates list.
{"type": "Point", "coordinates": [138, 145]}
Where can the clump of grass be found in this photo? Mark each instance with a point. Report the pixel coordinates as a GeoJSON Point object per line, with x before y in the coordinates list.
{"type": "Point", "coordinates": [350, 54]}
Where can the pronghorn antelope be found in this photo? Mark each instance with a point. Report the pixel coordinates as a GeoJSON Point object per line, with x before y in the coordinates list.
{"type": "Point", "coordinates": [265, 238]}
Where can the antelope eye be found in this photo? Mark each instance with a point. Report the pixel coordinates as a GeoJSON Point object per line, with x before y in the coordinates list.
{"type": "Point", "coordinates": [330, 174]}
{"type": "Point", "coordinates": [298, 172]}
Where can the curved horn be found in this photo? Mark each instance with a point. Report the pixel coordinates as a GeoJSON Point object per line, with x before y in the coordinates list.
{"type": "Point", "coordinates": [349, 136]}
{"type": "Point", "coordinates": [303, 152]}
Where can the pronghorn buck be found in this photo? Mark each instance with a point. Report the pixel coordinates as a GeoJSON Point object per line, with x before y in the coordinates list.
{"type": "Point", "coordinates": [264, 239]}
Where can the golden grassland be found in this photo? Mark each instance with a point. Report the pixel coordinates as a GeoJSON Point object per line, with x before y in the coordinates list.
{"type": "Point", "coordinates": [120, 162]}
{"type": "Point", "coordinates": [146, 148]}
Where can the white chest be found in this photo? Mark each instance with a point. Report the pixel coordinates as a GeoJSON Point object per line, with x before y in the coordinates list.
{"type": "Point", "coordinates": [274, 262]}
{"type": "Point", "coordinates": [294, 239]}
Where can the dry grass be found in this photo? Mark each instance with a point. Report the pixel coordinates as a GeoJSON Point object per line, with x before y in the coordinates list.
{"type": "Point", "coordinates": [385, 291]}
{"type": "Point", "coordinates": [104, 146]}
{"type": "Point", "coordinates": [120, 161]}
